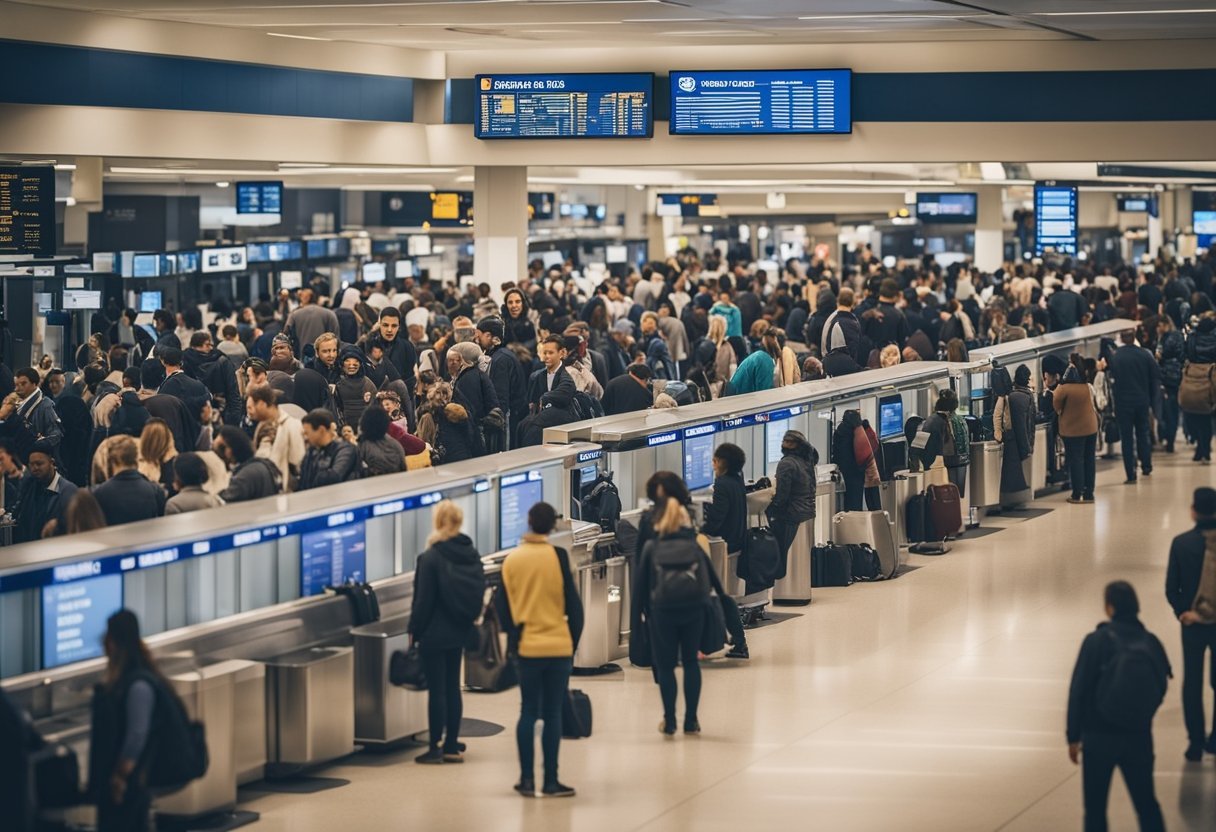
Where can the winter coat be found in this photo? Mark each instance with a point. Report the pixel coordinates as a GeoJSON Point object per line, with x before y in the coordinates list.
{"type": "Point", "coordinates": [510, 385]}
{"type": "Point", "coordinates": [457, 437]}
{"type": "Point", "coordinates": [1017, 443]}
{"type": "Point", "coordinates": [129, 496]}
{"type": "Point", "coordinates": [518, 330]}
{"type": "Point", "coordinates": [191, 498]}
{"type": "Point", "coordinates": [1171, 352]}
{"type": "Point", "coordinates": [1201, 344]}
{"type": "Point", "coordinates": [754, 374]}
{"type": "Point", "coordinates": [384, 456]}
{"type": "Point", "coordinates": [217, 374]}
{"type": "Point", "coordinates": [1074, 403]}
{"type": "Point", "coordinates": [1136, 376]}
{"type": "Point", "coordinates": [1096, 653]}
{"type": "Point", "coordinates": [726, 515]}
{"type": "Point", "coordinates": [474, 390]}
{"type": "Point", "coordinates": [794, 497]}
{"type": "Point", "coordinates": [448, 578]}
{"type": "Point", "coordinates": [844, 451]}
{"type": "Point", "coordinates": [130, 416]}
{"type": "Point", "coordinates": [251, 480]}
{"type": "Point", "coordinates": [337, 462]}
{"type": "Point", "coordinates": [177, 416]}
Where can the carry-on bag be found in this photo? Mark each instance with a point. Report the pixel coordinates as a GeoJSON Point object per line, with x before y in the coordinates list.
{"type": "Point", "coordinates": [831, 565]}
{"type": "Point", "coordinates": [874, 528]}
{"type": "Point", "coordinates": [576, 715]}
{"type": "Point", "coordinates": [867, 566]}
{"type": "Point", "coordinates": [486, 667]}
{"type": "Point", "coordinates": [760, 561]}
{"type": "Point", "coordinates": [916, 518]}
{"type": "Point", "coordinates": [945, 511]}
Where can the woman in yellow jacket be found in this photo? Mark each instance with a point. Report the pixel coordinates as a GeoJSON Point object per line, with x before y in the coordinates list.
{"type": "Point", "coordinates": [1073, 400]}
{"type": "Point", "coordinates": [547, 618]}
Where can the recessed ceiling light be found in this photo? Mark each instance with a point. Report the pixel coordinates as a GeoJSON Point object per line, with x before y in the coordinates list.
{"type": "Point", "coordinates": [295, 37]}
{"type": "Point", "coordinates": [221, 184]}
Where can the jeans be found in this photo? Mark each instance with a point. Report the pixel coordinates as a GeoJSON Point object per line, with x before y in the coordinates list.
{"type": "Point", "coordinates": [1081, 453]}
{"type": "Point", "coordinates": [1133, 755]}
{"type": "Point", "coordinates": [1199, 426]}
{"type": "Point", "coordinates": [1167, 427]}
{"type": "Point", "coordinates": [1133, 436]}
{"type": "Point", "coordinates": [958, 476]}
{"type": "Point", "coordinates": [676, 636]}
{"type": "Point", "coordinates": [132, 815]}
{"type": "Point", "coordinates": [542, 690]}
{"type": "Point", "coordinates": [1197, 641]}
{"type": "Point", "coordinates": [444, 707]}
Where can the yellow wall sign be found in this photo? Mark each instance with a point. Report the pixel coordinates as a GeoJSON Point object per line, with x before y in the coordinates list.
{"type": "Point", "coordinates": [445, 206]}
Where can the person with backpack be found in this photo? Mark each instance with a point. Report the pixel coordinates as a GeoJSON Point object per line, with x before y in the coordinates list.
{"type": "Point", "coordinates": [449, 592]}
{"type": "Point", "coordinates": [1197, 392]}
{"type": "Point", "coordinates": [1117, 686]}
{"type": "Point", "coordinates": [203, 363]}
{"type": "Point", "coordinates": [1171, 350]}
{"type": "Point", "coordinates": [1190, 587]}
{"type": "Point", "coordinates": [672, 584]}
{"type": "Point", "coordinates": [947, 435]}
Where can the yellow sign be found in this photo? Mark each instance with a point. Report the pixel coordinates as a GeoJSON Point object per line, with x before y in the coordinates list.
{"type": "Point", "coordinates": [445, 206]}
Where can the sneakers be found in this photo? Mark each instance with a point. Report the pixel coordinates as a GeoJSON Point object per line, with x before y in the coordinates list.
{"type": "Point", "coordinates": [526, 788]}
{"type": "Point", "coordinates": [557, 790]}
{"type": "Point", "coordinates": [434, 757]}
{"type": "Point", "coordinates": [1075, 500]}
{"type": "Point", "coordinates": [738, 651]}
{"type": "Point", "coordinates": [693, 727]}
{"type": "Point", "coordinates": [1132, 481]}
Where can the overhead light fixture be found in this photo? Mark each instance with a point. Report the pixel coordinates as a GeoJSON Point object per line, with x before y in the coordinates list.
{"type": "Point", "coordinates": [309, 171]}
{"type": "Point", "coordinates": [221, 184]}
{"type": "Point", "coordinates": [295, 37]}
{"type": "Point", "coordinates": [65, 167]}
{"type": "Point", "coordinates": [993, 171]}
{"type": "Point", "coordinates": [1122, 12]}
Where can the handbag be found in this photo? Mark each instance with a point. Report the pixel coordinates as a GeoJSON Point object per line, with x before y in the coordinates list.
{"type": "Point", "coordinates": [713, 626]}
{"type": "Point", "coordinates": [405, 668]}
{"type": "Point", "coordinates": [640, 652]}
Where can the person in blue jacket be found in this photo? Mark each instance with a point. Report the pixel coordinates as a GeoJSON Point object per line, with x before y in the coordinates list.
{"type": "Point", "coordinates": [756, 371]}
{"type": "Point", "coordinates": [728, 310]}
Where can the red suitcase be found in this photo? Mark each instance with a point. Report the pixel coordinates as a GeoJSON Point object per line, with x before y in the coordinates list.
{"type": "Point", "coordinates": [945, 511]}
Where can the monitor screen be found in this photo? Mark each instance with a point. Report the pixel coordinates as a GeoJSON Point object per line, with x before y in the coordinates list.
{"type": "Point", "coordinates": [548, 258]}
{"type": "Point", "coordinates": [150, 301]}
{"type": "Point", "coordinates": [74, 618]}
{"type": "Point", "coordinates": [146, 265]}
{"type": "Point", "coordinates": [516, 494]}
{"type": "Point", "coordinates": [587, 105]}
{"type": "Point", "coordinates": [259, 197]}
{"type": "Point", "coordinates": [257, 253]}
{"type": "Point", "coordinates": [748, 102]}
{"type": "Point", "coordinates": [947, 208]}
{"type": "Point", "coordinates": [403, 269]}
{"type": "Point", "coordinates": [330, 557]}
{"type": "Point", "coordinates": [223, 259]}
{"type": "Point", "coordinates": [1134, 203]}
{"type": "Point", "coordinates": [373, 272]}
{"type": "Point", "coordinates": [27, 210]}
{"type": "Point", "coordinates": [540, 206]}
{"type": "Point", "coordinates": [291, 280]}
{"type": "Point", "coordinates": [1055, 219]}
{"type": "Point", "coordinates": [616, 254]}
{"type": "Point", "coordinates": [774, 432]}
{"type": "Point", "coordinates": [316, 249]}
{"type": "Point", "coordinates": [588, 474]}
{"type": "Point", "coordinates": [168, 264]}
{"type": "Point", "coordinates": [81, 299]}
{"type": "Point", "coordinates": [278, 252]}
{"type": "Point", "coordinates": [698, 461]}
{"type": "Point", "coordinates": [890, 417]}
{"type": "Point", "coordinates": [1205, 227]}
{"type": "Point", "coordinates": [187, 262]}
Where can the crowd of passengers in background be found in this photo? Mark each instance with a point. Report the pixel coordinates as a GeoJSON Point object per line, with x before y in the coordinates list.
{"type": "Point", "coordinates": [221, 404]}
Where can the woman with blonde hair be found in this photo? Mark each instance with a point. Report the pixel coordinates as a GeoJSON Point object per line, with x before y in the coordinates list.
{"type": "Point", "coordinates": [156, 453]}
{"type": "Point", "coordinates": [725, 363]}
{"type": "Point", "coordinates": [889, 357]}
{"type": "Point", "coordinates": [449, 590]}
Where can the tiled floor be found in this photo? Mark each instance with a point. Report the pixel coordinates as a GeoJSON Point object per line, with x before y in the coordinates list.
{"type": "Point", "coordinates": [934, 702]}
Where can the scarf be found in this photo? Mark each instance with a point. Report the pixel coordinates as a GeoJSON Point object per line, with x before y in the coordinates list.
{"type": "Point", "coordinates": [27, 407]}
{"type": "Point", "coordinates": [1205, 599]}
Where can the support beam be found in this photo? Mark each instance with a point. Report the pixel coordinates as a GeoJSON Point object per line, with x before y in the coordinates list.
{"type": "Point", "coordinates": [989, 229]}
{"type": "Point", "coordinates": [500, 225]}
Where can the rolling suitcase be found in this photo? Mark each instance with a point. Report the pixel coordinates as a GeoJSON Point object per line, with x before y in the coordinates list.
{"type": "Point", "coordinates": [831, 565]}
{"type": "Point", "coordinates": [874, 528]}
{"type": "Point", "coordinates": [945, 511]}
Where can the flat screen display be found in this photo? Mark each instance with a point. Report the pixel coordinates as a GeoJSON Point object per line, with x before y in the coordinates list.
{"type": "Point", "coordinates": [698, 461]}
{"type": "Point", "coordinates": [1205, 227]}
{"type": "Point", "coordinates": [1138, 203]}
{"type": "Point", "coordinates": [516, 494]}
{"type": "Point", "coordinates": [27, 210]}
{"type": "Point", "coordinates": [616, 254]}
{"type": "Point", "coordinates": [761, 102]}
{"type": "Point", "coordinates": [187, 262]}
{"type": "Point", "coordinates": [403, 269]}
{"type": "Point", "coordinates": [257, 253]}
{"type": "Point", "coordinates": [947, 208]}
{"type": "Point", "coordinates": [890, 417]}
{"type": "Point", "coordinates": [373, 272]}
{"type": "Point", "coordinates": [316, 249]}
{"type": "Point", "coordinates": [146, 265]}
{"type": "Point", "coordinates": [586, 105]}
{"type": "Point", "coordinates": [1055, 219]}
{"type": "Point", "coordinates": [774, 432]}
{"type": "Point", "coordinates": [259, 197]}
{"type": "Point", "coordinates": [150, 301]}
{"type": "Point", "coordinates": [168, 264]}
{"type": "Point", "coordinates": [331, 557]}
{"type": "Point", "coordinates": [540, 206]}
{"type": "Point", "coordinates": [74, 618]}
{"type": "Point", "coordinates": [81, 299]}
{"type": "Point", "coordinates": [231, 259]}
{"type": "Point", "coordinates": [278, 252]}
{"type": "Point", "coordinates": [688, 206]}
{"type": "Point", "coordinates": [291, 280]}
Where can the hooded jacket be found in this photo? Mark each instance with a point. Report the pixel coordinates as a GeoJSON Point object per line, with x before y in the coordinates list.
{"type": "Point", "coordinates": [794, 497]}
{"type": "Point", "coordinates": [1201, 344]}
{"type": "Point", "coordinates": [473, 389]}
{"type": "Point", "coordinates": [218, 375]}
{"type": "Point", "coordinates": [336, 463]}
{"type": "Point", "coordinates": [449, 582]}
{"type": "Point", "coordinates": [130, 416]}
{"type": "Point", "coordinates": [844, 452]}
{"type": "Point", "coordinates": [312, 391]}
{"type": "Point", "coordinates": [1096, 652]}
{"type": "Point", "coordinates": [353, 393]}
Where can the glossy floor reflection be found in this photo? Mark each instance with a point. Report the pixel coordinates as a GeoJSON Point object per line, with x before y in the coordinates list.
{"type": "Point", "coordinates": [933, 702]}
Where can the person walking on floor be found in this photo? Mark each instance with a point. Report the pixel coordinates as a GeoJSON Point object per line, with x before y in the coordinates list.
{"type": "Point", "coordinates": [1074, 404]}
{"type": "Point", "coordinates": [1190, 587]}
{"type": "Point", "coordinates": [1197, 393]}
{"type": "Point", "coordinates": [1118, 683]}
{"type": "Point", "coordinates": [449, 591]}
{"type": "Point", "coordinates": [546, 621]}
{"type": "Point", "coordinates": [1137, 378]}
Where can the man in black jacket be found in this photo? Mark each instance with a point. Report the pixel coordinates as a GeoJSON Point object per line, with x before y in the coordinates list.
{"type": "Point", "coordinates": [253, 477]}
{"type": "Point", "coordinates": [398, 350]}
{"type": "Point", "coordinates": [505, 372]}
{"type": "Point", "coordinates": [128, 496]}
{"type": "Point", "coordinates": [1065, 310]}
{"type": "Point", "coordinates": [1183, 584]}
{"type": "Point", "coordinates": [1137, 382]}
{"type": "Point", "coordinates": [43, 495]}
{"type": "Point", "coordinates": [552, 376]}
{"type": "Point", "coordinates": [1109, 720]}
{"type": "Point", "coordinates": [629, 392]}
{"type": "Point", "coordinates": [191, 392]}
{"type": "Point", "coordinates": [885, 323]}
{"type": "Point", "coordinates": [203, 363]}
{"type": "Point", "coordinates": [330, 459]}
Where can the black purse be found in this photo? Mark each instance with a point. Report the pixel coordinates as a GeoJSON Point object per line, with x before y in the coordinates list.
{"type": "Point", "coordinates": [713, 627]}
{"type": "Point", "coordinates": [405, 669]}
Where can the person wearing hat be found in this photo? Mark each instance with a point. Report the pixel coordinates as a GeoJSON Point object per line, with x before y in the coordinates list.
{"type": "Point", "coordinates": [505, 372]}
{"type": "Point", "coordinates": [794, 495]}
{"type": "Point", "coordinates": [1137, 383]}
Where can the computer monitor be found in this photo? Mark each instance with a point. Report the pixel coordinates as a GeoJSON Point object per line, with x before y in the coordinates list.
{"type": "Point", "coordinates": [331, 557]}
{"type": "Point", "coordinates": [774, 432]}
{"type": "Point", "coordinates": [81, 299]}
{"type": "Point", "coordinates": [146, 265]}
{"type": "Point", "coordinates": [403, 269]}
{"type": "Point", "coordinates": [616, 254]}
{"type": "Point", "coordinates": [150, 301]}
{"type": "Point", "coordinates": [74, 618]}
{"type": "Point", "coordinates": [517, 494]}
{"type": "Point", "coordinates": [291, 280]}
{"type": "Point", "coordinates": [890, 417]}
{"type": "Point", "coordinates": [698, 461]}
{"type": "Point", "coordinates": [373, 272]}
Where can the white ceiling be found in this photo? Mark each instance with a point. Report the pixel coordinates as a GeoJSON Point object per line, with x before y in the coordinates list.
{"type": "Point", "coordinates": [450, 25]}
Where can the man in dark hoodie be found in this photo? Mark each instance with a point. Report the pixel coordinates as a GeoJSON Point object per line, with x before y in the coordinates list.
{"type": "Point", "coordinates": [398, 350]}
{"type": "Point", "coordinates": [191, 392]}
{"type": "Point", "coordinates": [885, 323]}
{"type": "Point", "coordinates": [505, 372]}
{"type": "Point", "coordinates": [202, 362]}
{"type": "Point", "coordinates": [794, 496]}
{"type": "Point", "coordinates": [353, 391]}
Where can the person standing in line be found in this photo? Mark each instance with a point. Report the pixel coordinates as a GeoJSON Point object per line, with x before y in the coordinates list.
{"type": "Point", "coordinates": [1136, 378]}
{"type": "Point", "coordinates": [546, 618]}
{"type": "Point", "coordinates": [449, 588]}
{"type": "Point", "coordinates": [1074, 403]}
{"type": "Point", "coordinates": [794, 496]}
{"type": "Point", "coordinates": [127, 495]}
{"type": "Point", "coordinates": [1118, 683]}
{"type": "Point", "coordinates": [1190, 587]}
{"type": "Point", "coordinates": [1198, 415]}
{"type": "Point", "coordinates": [189, 474]}
{"type": "Point", "coordinates": [330, 459]}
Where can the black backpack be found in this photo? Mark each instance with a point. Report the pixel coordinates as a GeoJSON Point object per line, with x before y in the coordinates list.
{"type": "Point", "coordinates": [584, 406]}
{"type": "Point", "coordinates": [1002, 384]}
{"type": "Point", "coordinates": [180, 752]}
{"type": "Point", "coordinates": [603, 503]}
{"type": "Point", "coordinates": [1132, 684]}
{"type": "Point", "coordinates": [678, 574]}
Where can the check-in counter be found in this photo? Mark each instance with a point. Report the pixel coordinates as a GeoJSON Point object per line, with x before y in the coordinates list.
{"type": "Point", "coordinates": [384, 713]}
{"type": "Point", "coordinates": [310, 702]}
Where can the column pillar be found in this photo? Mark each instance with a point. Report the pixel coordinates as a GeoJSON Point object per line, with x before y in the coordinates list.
{"type": "Point", "coordinates": [989, 229]}
{"type": "Point", "coordinates": [500, 225]}
{"type": "Point", "coordinates": [87, 183]}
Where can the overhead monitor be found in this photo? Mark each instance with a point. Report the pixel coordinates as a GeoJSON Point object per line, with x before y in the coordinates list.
{"type": "Point", "coordinates": [585, 105]}
{"type": "Point", "coordinates": [890, 417]}
{"type": "Point", "coordinates": [146, 265]}
{"type": "Point", "coordinates": [616, 254]}
{"type": "Point", "coordinates": [947, 208]}
{"type": "Point", "coordinates": [764, 102]}
{"type": "Point", "coordinates": [81, 299]}
{"type": "Point", "coordinates": [331, 557]}
{"type": "Point", "coordinates": [257, 253]}
{"type": "Point", "coordinates": [316, 249]}
{"type": "Point", "coordinates": [689, 206]}
{"type": "Point", "coordinates": [540, 205]}
{"type": "Point", "coordinates": [419, 245]}
{"type": "Point", "coordinates": [259, 197]}
{"type": "Point", "coordinates": [1134, 203]}
{"type": "Point", "coordinates": [187, 262]}
{"type": "Point", "coordinates": [27, 210]}
{"type": "Point", "coordinates": [74, 618]}
{"type": "Point", "coordinates": [774, 432]}
{"type": "Point", "coordinates": [403, 269]}
{"type": "Point", "coordinates": [698, 459]}
{"type": "Point", "coordinates": [1204, 223]}
{"type": "Point", "coordinates": [1055, 218]}
{"type": "Point", "coordinates": [168, 264]}
{"type": "Point", "coordinates": [150, 301]}
{"type": "Point", "coordinates": [517, 493]}
{"type": "Point", "coordinates": [373, 272]}
{"type": "Point", "coordinates": [291, 280]}
{"type": "Point", "coordinates": [229, 259]}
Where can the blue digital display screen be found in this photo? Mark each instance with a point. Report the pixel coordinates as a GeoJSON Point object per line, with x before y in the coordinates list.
{"type": "Point", "coordinates": [947, 208]}
{"type": "Point", "coordinates": [150, 301]}
{"type": "Point", "coordinates": [74, 618]}
{"type": "Point", "coordinates": [585, 105]}
{"type": "Point", "coordinates": [688, 205]}
{"type": "Point", "coordinates": [146, 265]}
{"type": "Point", "coordinates": [698, 461]}
{"type": "Point", "coordinates": [774, 433]}
{"type": "Point", "coordinates": [516, 495]}
{"type": "Point", "coordinates": [890, 417]}
{"type": "Point", "coordinates": [1205, 227]}
{"type": "Point", "coordinates": [187, 262]}
{"type": "Point", "coordinates": [1055, 219]}
{"type": "Point", "coordinates": [761, 102]}
{"type": "Point", "coordinates": [259, 197]}
{"type": "Point", "coordinates": [257, 253]}
{"type": "Point", "coordinates": [330, 557]}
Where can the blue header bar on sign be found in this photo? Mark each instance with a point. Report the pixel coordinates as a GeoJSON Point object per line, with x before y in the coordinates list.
{"type": "Point", "coordinates": [574, 106]}
{"type": "Point", "coordinates": [656, 439]}
{"type": "Point", "coordinates": [701, 430]}
{"type": "Point", "coordinates": [781, 102]}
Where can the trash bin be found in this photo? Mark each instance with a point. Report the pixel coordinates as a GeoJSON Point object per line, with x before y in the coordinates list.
{"type": "Point", "coordinates": [984, 488]}
{"type": "Point", "coordinates": [795, 588]}
{"type": "Point", "coordinates": [1038, 468]}
{"type": "Point", "coordinates": [310, 707]}
{"type": "Point", "coordinates": [603, 587]}
{"type": "Point", "coordinates": [384, 713]}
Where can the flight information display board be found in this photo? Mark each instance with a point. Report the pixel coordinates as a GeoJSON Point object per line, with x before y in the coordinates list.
{"type": "Point", "coordinates": [947, 207]}
{"type": "Point", "coordinates": [27, 210]}
{"type": "Point", "coordinates": [331, 557]}
{"type": "Point", "coordinates": [1055, 218]}
{"type": "Point", "coordinates": [578, 106]}
{"type": "Point", "coordinates": [771, 102]}
{"type": "Point", "coordinates": [699, 443]}
{"type": "Point", "coordinates": [516, 495]}
{"type": "Point", "coordinates": [259, 197]}
{"type": "Point", "coordinates": [74, 618]}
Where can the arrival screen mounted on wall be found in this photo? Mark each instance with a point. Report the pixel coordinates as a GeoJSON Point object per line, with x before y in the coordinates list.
{"type": "Point", "coordinates": [943, 208]}
{"type": "Point", "coordinates": [1055, 218]}
{"type": "Point", "coordinates": [770, 102]}
{"type": "Point", "coordinates": [259, 197]}
{"type": "Point", "coordinates": [578, 106]}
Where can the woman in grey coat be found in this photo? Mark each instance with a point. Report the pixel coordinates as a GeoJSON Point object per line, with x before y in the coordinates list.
{"type": "Point", "coordinates": [794, 497]}
{"type": "Point", "coordinates": [379, 452]}
{"type": "Point", "coordinates": [189, 475]}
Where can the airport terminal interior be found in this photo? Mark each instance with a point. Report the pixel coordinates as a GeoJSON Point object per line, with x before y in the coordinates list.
{"type": "Point", "coordinates": [912, 299]}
